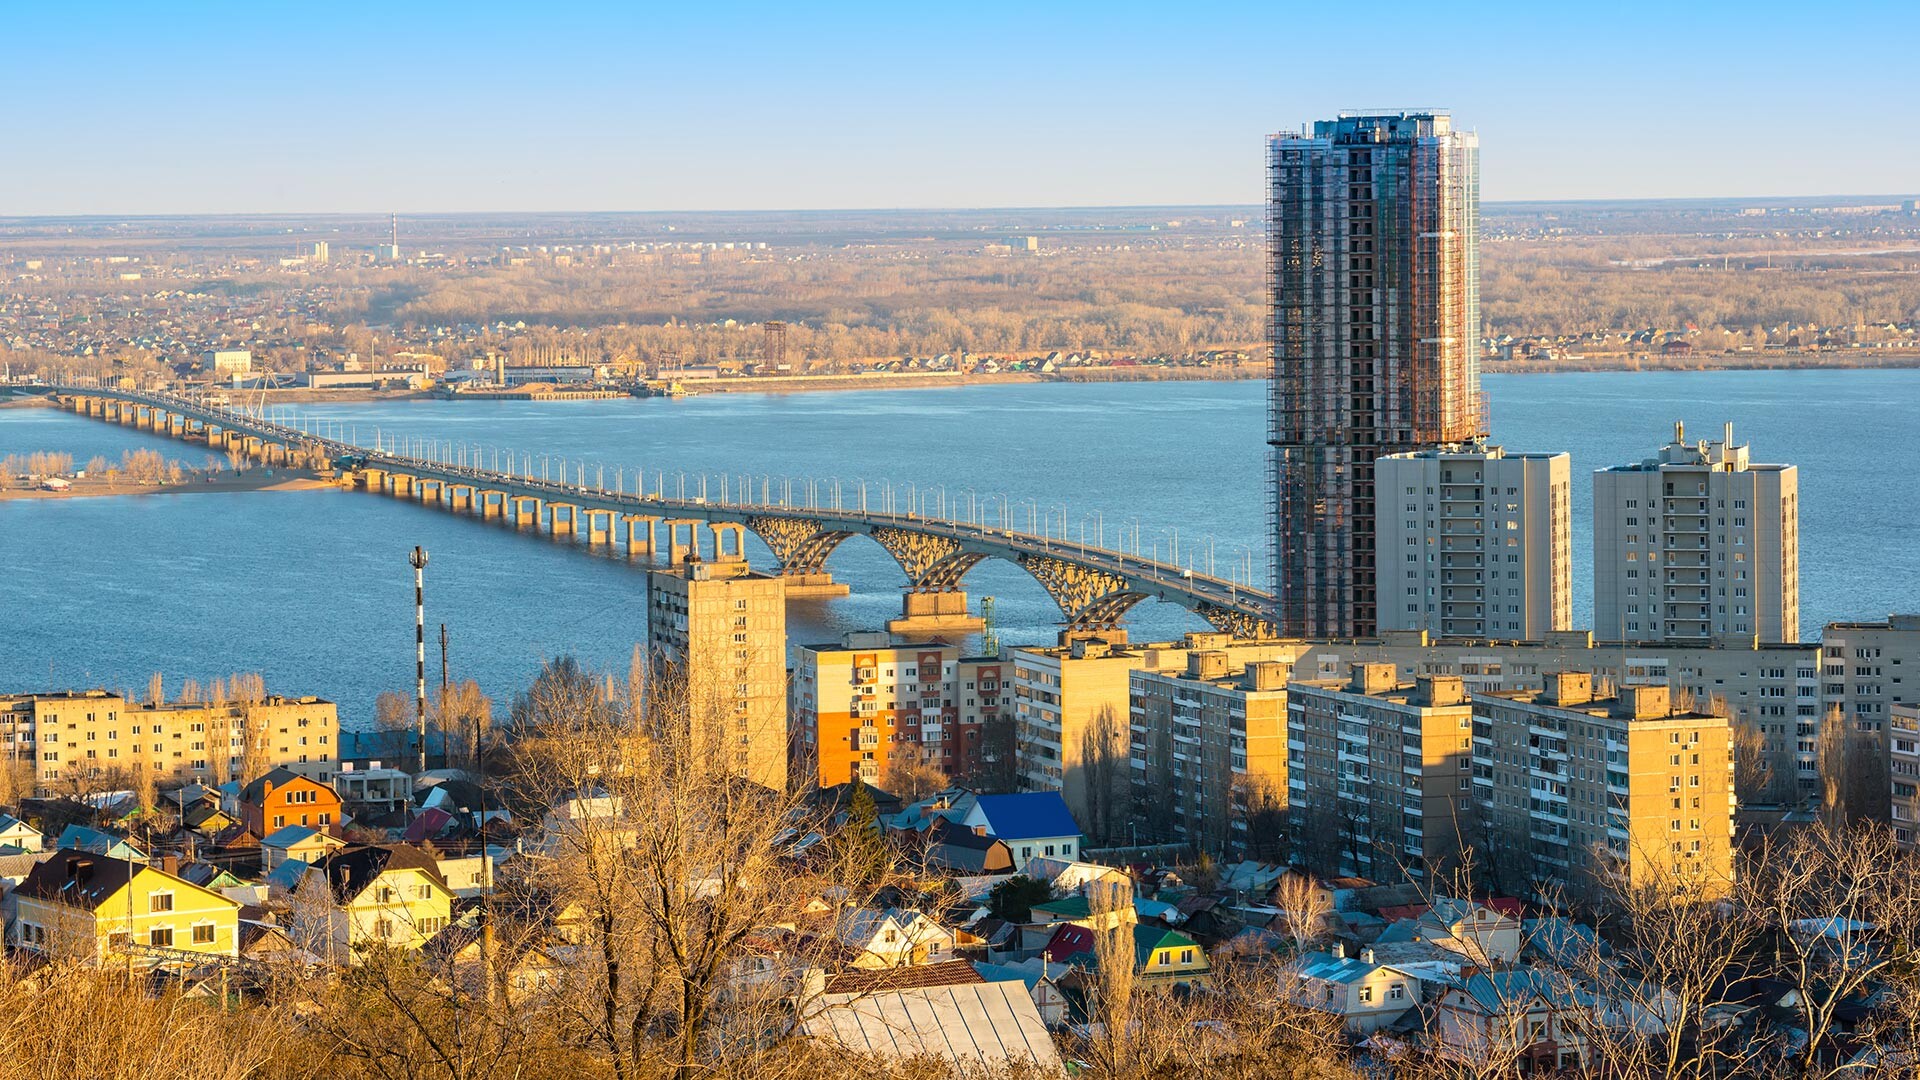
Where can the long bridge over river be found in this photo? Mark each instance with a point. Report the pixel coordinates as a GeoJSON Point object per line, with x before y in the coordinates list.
{"type": "Point", "coordinates": [1094, 586]}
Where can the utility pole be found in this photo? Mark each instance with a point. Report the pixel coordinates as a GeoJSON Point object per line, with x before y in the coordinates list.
{"type": "Point", "coordinates": [418, 559]}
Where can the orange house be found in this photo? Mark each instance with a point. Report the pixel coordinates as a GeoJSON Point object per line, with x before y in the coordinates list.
{"type": "Point", "coordinates": [284, 797]}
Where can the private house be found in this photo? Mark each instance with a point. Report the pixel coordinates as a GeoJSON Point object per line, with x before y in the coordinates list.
{"type": "Point", "coordinates": [1536, 1017]}
{"type": "Point", "coordinates": [1164, 957]}
{"type": "Point", "coordinates": [1034, 824]}
{"type": "Point", "coordinates": [81, 904]}
{"type": "Point", "coordinates": [302, 842]}
{"type": "Point", "coordinates": [891, 937]}
{"type": "Point", "coordinates": [82, 838]}
{"type": "Point", "coordinates": [19, 834]}
{"type": "Point", "coordinates": [936, 1011]}
{"type": "Point", "coordinates": [1048, 1001]}
{"type": "Point", "coordinates": [1367, 996]}
{"type": "Point", "coordinates": [1078, 910]}
{"type": "Point", "coordinates": [959, 850]}
{"type": "Point", "coordinates": [1481, 933]}
{"type": "Point", "coordinates": [369, 895]}
{"type": "Point", "coordinates": [283, 797]}
{"type": "Point", "coordinates": [521, 967]}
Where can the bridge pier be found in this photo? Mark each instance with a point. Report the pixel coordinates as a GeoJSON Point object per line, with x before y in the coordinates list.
{"type": "Point", "coordinates": [813, 585]}
{"type": "Point", "coordinates": [677, 552]}
{"type": "Point", "coordinates": [431, 490]}
{"type": "Point", "coordinates": [639, 537]}
{"type": "Point", "coordinates": [599, 526]}
{"type": "Point", "coordinates": [490, 504]}
{"type": "Point", "coordinates": [401, 486]}
{"type": "Point", "coordinates": [935, 614]}
{"type": "Point", "coordinates": [525, 511]}
{"type": "Point", "coordinates": [721, 531]}
{"type": "Point", "coordinates": [555, 527]}
{"type": "Point", "coordinates": [460, 498]}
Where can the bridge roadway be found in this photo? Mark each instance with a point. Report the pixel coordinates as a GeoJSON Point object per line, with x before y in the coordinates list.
{"type": "Point", "coordinates": [1094, 586]}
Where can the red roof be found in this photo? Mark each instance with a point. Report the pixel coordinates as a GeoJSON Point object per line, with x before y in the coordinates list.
{"type": "Point", "coordinates": [945, 973]}
{"type": "Point", "coordinates": [1404, 911]}
{"type": "Point", "coordinates": [1068, 940]}
{"type": "Point", "coordinates": [1509, 906]}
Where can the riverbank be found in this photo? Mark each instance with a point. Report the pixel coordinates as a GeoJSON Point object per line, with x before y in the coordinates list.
{"type": "Point", "coordinates": [1850, 360]}
{"type": "Point", "coordinates": [91, 487]}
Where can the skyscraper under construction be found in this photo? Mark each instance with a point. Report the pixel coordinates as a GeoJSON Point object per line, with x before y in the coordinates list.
{"type": "Point", "coordinates": [1373, 273]}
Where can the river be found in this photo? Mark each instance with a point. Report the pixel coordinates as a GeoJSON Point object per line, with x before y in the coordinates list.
{"type": "Point", "coordinates": [312, 588]}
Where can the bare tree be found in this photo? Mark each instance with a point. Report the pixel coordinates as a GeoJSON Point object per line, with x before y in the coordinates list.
{"type": "Point", "coordinates": [1103, 774]}
{"type": "Point", "coordinates": [913, 773]}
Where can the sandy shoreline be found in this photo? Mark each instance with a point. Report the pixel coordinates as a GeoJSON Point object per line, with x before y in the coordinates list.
{"type": "Point", "coordinates": [254, 480]}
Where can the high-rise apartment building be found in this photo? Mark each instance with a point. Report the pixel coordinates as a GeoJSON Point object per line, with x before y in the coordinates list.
{"type": "Point", "coordinates": [1474, 542]}
{"type": "Point", "coordinates": [1903, 766]}
{"type": "Point", "coordinates": [722, 628]}
{"type": "Point", "coordinates": [1696, 544]}
{"type": "Point", "coordinates": [1374, 327]}
{"type": "Point", "coordinates": [1580, 792]}
{"type": "Point", "coordinates": [860, 702]}
{"type": "Point", "coordinates": [1209, 749]}
{"type": "Point", "coordinates": [1864, 668]}
{"type": "Point", "coordinates": [1380, 774]}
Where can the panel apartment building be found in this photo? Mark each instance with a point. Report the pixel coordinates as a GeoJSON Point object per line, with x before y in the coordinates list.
{"type": "Point", "coordinates": [1373, 272]}
{"type": "Point", "coordinates": [1579, 792]}
{"type": "Point", "coordinates": [1208, 744]}
{"type": "Point", "coordinates": [73, 741]}
{"type": "Point", "coordinates": [1696, 544]}
{"type": "Point", "coordinates": [1474, 542]}
{"type": "Point", "coordinates": [1380, 774]}
{"type": "Point", "coordinates": [859, 702]}
{"type": "Point", "coordinates": [723, 627]}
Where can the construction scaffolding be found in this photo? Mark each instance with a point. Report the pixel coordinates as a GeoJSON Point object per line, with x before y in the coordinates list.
{"type": "Point", "coordinates": [1373, 327]}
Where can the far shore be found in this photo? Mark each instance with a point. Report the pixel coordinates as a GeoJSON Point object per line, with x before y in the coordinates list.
{"type": "Point", "coordinates": [1847, 360]}
{"type": "Point", "coordinates": [252, 480]}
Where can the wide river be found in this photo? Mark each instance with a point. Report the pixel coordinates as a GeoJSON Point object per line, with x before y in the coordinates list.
{"type": "Point", "coordinates": [312, 589]}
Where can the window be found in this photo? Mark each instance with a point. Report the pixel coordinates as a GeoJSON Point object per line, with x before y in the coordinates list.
{"type": "Point", "coordinates": [160, 937]}
{"type": "Point", "coordinates": [203, 934]}
{"type": "Point", "coordinates": [160, 901]}
{"type": "Point", "coordinates": [1366, 994]}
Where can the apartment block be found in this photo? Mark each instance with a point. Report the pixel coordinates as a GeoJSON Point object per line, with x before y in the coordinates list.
{"type": "Point", "coordinates": [862, 701]}
{"type": "Point", "coordinates": [1208, 749]}
{"type": "Point", "coordinates": [1474, 542]}
{"type": "Point", "coordinates": [77, 740]}
{"type": "Point", "coordinates": [1696, 544]}
{"type": "Point", "coordinates": [1773, 689]}
{"type": "Point", "coordinates": [723, 627]}
{"type": "Point", "coordinates": [1864, 667]}
{"type": "Point", "coordinates": [1581, 788]}
{"type": "Point", "coordinates": [1061, 694]}
{"type": "Point", "coordinates": [1380, 773]}
{"type": "Point", "coordinates": [1903, 766]}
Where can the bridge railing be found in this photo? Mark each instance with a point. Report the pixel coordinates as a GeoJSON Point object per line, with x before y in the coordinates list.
{"type": "Point", "coordinates": [991, 516]}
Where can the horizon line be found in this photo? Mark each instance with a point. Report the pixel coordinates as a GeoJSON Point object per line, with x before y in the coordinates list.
{"type": "Point", "coordinates": [1082, 207]}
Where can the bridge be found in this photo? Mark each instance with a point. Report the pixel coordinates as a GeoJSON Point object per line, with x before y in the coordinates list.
{"type": "Point", "coordinates": [1094, 586]}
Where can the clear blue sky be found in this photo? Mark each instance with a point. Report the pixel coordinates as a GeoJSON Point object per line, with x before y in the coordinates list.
{"type": "Point", "coordinates": [135, 108]}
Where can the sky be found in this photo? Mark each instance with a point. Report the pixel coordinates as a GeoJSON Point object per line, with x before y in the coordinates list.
{"type": "Point", "coordinates": [202, 107]}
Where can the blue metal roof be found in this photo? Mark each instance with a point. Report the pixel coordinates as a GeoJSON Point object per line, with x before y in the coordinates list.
{"type": "Point", "coordinates": [1030, 815]}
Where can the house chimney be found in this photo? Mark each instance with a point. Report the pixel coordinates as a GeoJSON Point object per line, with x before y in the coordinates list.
{"type": "Point", "coordinates": [1339, 950]}
{"type": "Point", "coordinates": [1366, 955]}
{"type": "Point", "coordinates": [170, 864]}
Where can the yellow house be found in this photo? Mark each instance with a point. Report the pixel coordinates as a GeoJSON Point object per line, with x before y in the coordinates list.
{"type": "Point", "coordinates": [371, 895]}
{"type": "Point", "coordinates": [78, 904]}
{"type": "Point", "coordinates": [1167, 957]}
